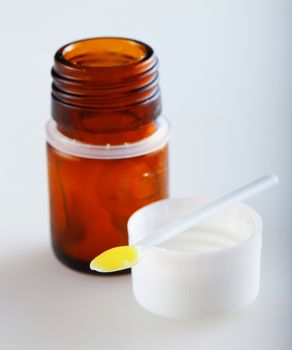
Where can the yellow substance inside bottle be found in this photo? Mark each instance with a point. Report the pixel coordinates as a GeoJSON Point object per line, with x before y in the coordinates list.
{"type": "Point", "coordinates": [116, 259]}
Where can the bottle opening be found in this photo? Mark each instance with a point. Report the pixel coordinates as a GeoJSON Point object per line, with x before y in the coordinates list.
{"type": "Point", "coordinates": [104, 52]}
{"type": "Point", "coordinates": [104, 85]}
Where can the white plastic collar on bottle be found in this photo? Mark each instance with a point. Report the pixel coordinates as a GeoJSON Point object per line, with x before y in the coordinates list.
{"type": "Point", "coordinates": [127, 150]}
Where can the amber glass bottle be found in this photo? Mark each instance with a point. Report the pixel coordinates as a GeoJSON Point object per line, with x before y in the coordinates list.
{"type": "Point", "coordinates": [107, 144]}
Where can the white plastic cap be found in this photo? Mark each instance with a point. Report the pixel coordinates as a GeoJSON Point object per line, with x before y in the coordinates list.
{"type": "Point", "coordinates": [210, 271]}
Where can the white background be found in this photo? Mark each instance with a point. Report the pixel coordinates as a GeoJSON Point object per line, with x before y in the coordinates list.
{"type": "Point", "coordinates": [226, 83]}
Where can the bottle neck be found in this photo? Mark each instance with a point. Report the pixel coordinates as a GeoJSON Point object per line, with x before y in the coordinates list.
{"type": "Point", "coordinates": [105, 90]}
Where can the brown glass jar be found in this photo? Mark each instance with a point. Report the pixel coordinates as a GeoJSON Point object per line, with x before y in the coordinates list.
{"type": "Point", "coordinates": [107, 144]}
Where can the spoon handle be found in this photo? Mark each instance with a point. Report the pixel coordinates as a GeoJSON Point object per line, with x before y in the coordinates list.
{"type": "Point", "coordinates": [187, 221]}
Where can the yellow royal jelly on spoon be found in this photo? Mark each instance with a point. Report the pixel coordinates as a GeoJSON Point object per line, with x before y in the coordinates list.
{"type": "Point", "coordinates": [116, 259]}
{"type": "Point", "coordinates": [123, 257]}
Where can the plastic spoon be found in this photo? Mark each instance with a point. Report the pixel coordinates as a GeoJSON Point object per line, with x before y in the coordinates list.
{"type": "Point", "coordinates": [122, 257]}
